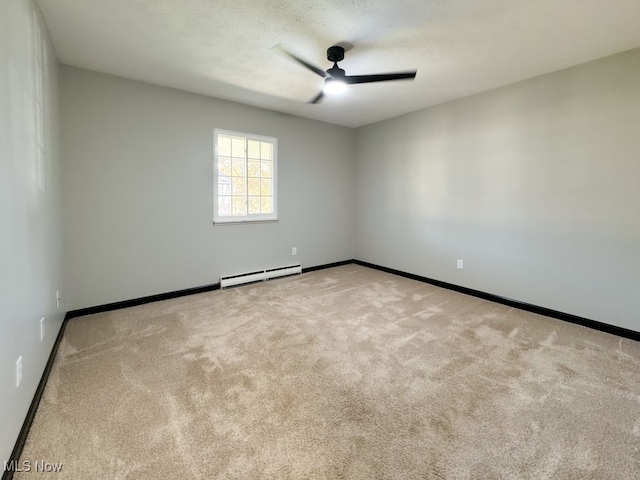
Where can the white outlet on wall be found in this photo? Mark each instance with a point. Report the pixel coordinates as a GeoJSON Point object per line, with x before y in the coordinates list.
{"type": "Point", "coordinates": [18, 371]}
{"type": "Point", "coordinates": [294, 251]}
{"type": "Point", "coordinates": [460, 264]}
{"type": "Point", "coordinates": [58, 298]}
{"type": "Point", "coordinates": [42, 329]}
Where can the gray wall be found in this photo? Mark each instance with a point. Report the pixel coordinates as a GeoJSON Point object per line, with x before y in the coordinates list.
{"type": "Point", "coordinates": [30, 212]}
{"type": "Point", "coordinates": [536, 186]}
{"type": "Point", "coordinates": [138, 175]}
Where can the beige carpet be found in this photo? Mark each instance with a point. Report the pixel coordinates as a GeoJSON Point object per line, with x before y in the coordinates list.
{"type": "Point", "coordinates": [344, 373]}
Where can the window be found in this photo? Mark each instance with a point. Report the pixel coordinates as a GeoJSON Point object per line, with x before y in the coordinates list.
{"type": "Point", "coordinates": [244, 178]}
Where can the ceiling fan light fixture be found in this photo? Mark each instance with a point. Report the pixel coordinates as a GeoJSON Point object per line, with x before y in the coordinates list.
{"type": "Point", "coordinates": [334, 87]}
{"type": "Point", "coordinates": [336, 80]}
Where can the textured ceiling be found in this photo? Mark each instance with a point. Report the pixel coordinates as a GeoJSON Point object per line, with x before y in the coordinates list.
{"type": "Point", "coordinates": [224, 48]}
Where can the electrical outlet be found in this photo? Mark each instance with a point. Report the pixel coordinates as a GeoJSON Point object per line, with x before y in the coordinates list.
{"type": "Point", "coordinates": [42, 329]}
{"type": "Point", "coordinates": [58, 299]}
{"type": "Point", "coordinates": [460, 264]}
{"type": "Point", "coordinates": [294, 251]}
{"type": "Point", "coordinates": [18, 371]}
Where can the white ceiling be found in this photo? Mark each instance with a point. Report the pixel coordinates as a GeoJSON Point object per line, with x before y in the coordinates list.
{"type": "Point", "coordinates": [224, 48]}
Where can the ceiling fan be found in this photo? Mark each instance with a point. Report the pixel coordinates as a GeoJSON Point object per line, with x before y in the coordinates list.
{"type": "Point", "coordinates": [335, 79]}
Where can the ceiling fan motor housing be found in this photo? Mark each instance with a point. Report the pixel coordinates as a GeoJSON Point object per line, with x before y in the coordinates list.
{"type": "Point", "coordinates": [335, 54]}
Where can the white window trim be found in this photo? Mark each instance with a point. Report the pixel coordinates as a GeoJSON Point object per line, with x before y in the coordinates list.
{"type": "Point", "coordinates": [247, 218]}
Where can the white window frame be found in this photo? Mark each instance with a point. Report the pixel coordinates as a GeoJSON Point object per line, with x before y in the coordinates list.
{"type": "Point", "coordinates": [245, 218]}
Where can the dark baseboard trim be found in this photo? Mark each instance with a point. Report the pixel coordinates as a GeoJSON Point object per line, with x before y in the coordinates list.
{"type": "Point", "coordinates": [567, 317]}
{"type": "Point", "coordinates": [327, 265]}
{"type": "Point", "coordinates": [33, 408]}
{"type": "Point", "coordinates": [142, 300]}
{"type": "Point", "coordinates": [169, 295]}
{"type": "Point", "coordinates": [547, 312]}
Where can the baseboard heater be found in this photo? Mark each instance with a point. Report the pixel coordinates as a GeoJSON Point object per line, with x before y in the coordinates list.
{"type": "Point", "coordinates": [259, 276]}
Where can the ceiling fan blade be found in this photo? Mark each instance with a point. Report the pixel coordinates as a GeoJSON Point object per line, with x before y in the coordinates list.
{"type": "Point", "coordinates": [384, 77]}
{"type": "Point", "coordinates": [304, 63]}
{"type": "Point", "coordinates": [317, 98]}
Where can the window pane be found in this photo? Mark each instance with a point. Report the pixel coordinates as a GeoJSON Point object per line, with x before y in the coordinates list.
{"type": "Point", "coordinates": [224, 205]}
{"type": "Point", "coordinates": [254, 168]}
{"type": "Point", "coordinates": [239, 186]}
{"type": "Point", "coordinates": [254, 205]}
{"type": "Point", "coordinates": [266, 168]}
{"type": "Point", "coordinates": [266, 151]}
{"type": "Point", "coordinates": [238, 167]}
{"type": "Point", "coordinates": [224, 165]}
{"type": "Point", "coordinates": [254, 149]}
{"type": "Point", "coordinates": [224, 146]}
{"type": "Point", "coordinates": [266, 205]}
{"type": "Point", "coordinates": [238, 205]}
{"type": "Point", "coordinates": [224, 185]}
{"type": "Point", "coordinates": [266, 187]}
{"type": "Point", "coordinates": [237, 147]}
{"type": "Point", "coordinates": [254, 186]}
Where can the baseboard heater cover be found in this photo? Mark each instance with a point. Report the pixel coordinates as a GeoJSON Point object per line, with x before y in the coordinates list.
{"type": "Point", "coordinates": [259, 275]}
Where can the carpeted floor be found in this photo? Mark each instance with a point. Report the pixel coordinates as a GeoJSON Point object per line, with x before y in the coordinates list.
{"type": "Point", "coordinates": [344, 373]}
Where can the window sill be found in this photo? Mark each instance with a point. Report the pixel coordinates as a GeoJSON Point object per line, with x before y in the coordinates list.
{"type": "Point", "coordinates": [244, 222]}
